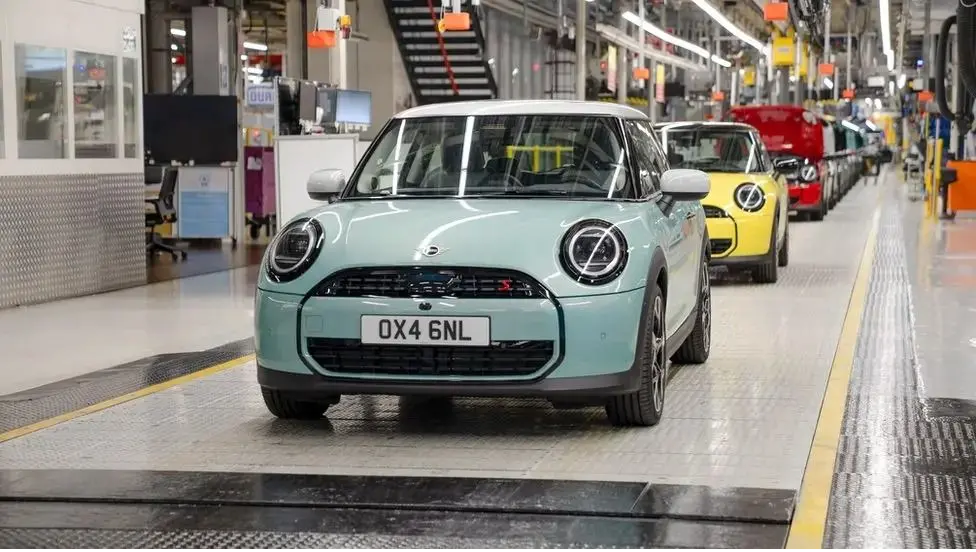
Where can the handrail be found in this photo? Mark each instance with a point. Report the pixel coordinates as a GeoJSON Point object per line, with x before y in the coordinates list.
{"type": "Point", "coordinates": [443, 48]}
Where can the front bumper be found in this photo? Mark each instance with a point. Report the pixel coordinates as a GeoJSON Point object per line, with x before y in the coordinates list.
{"type": "Point", "coordinates": [740, 237]}
{"type": "Point", "coordinates": [595, 342]}
{"type": "Point", "coordinates": [806, 197]}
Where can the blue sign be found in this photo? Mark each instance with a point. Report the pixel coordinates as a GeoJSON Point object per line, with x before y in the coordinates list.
{"type": "Point", "coordinates": [204, 202]}
{"type": "Point", "coordinates": [260, 95]}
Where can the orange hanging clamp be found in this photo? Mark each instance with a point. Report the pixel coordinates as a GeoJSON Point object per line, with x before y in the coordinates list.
{"type": "Point", "coordinates": [321, 39]}
{"type": "Point", "coordinates": [455, 21]}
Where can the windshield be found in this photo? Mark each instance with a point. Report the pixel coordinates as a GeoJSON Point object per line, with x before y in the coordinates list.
{"type": "Point", "coordinates": [712, 149]}
{"type": "Point", "coordinates": [578, 157]}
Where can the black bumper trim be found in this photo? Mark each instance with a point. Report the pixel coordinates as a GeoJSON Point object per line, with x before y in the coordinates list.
{"type": "Point", "coordinates": [311, 385]}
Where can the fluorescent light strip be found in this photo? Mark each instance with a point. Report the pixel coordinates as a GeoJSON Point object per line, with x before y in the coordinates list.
{"type": "Point", "coordinates": [671, 39]}
{"type": "Point", "coordinates": [885, 17]}
{"type": "Point", "coordinates": [708, 8]}
{"type": "Point", "coordinates": [248, 45]}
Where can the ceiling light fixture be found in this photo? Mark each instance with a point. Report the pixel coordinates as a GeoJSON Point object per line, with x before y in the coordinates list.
{"type": "Point", "coordinates": [708, 8]}
{"type": "Point", "coordinates": [671, 39]}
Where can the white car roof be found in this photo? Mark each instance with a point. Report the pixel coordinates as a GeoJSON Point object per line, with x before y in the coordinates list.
{"type": "Point", "coordinates": [522, 107]}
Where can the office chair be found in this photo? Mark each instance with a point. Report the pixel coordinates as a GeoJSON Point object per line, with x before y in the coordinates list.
{"type": "Point", "coordinates": [164, 210]}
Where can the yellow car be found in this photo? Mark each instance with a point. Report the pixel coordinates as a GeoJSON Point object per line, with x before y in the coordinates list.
{"type": "Point", "coordinates": [747, 210]}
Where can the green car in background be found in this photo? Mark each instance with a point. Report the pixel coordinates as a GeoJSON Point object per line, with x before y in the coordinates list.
{"type": "Point", "coordinates": [491, 248]}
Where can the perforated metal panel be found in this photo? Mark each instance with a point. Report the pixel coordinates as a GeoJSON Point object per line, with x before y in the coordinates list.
{"type": "Point", "coordinates": [69, 235]}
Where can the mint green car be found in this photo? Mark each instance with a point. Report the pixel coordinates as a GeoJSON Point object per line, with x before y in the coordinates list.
{"type": "Point", "coordinates": [491, 248]}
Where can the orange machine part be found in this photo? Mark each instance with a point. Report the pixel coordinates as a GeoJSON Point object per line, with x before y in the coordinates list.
{"type": "Point", "coordinates": [642, 73]}
{"type": "Point", "coordinates": [776, 11]}
{"type": "Point", "coordinates": [826, 69]}
{"type": "Point", "coordinates": [962, 192]}
{"type": "Point", "coordinates": [321, 39]}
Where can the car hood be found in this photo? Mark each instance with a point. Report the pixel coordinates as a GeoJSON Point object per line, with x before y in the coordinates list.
{"type": "Point", "coordinates": [724, 185]}
{"type": "Point", "coordinates": [520, 234]}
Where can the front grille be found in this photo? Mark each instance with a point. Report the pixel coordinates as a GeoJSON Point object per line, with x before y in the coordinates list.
{"type": "Point", "coordinates": [501, 358]}
{"type": "Point", "coordinates": [430, 282]}
{"type": "Point", "coordinates": [720, 246]}
{"type": "Point", "coordinates": [714, 212]}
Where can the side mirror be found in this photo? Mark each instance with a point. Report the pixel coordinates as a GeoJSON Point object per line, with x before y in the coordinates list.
{"type": "Point", "coordinates": [326, 184]}
{"type": "Point", "coordinates": [685, 184]}
{"type": "Point", "coordinates": [785, 165]}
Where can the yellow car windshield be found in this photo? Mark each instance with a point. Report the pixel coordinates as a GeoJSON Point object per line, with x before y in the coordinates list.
{"type": "Point", "coordinates": [712, 150]}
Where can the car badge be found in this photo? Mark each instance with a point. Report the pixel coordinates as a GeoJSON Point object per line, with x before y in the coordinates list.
{"type": "Point", "coordinates": [432, 251]}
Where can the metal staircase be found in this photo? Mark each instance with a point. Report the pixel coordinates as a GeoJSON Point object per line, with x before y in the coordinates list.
{"type": "Point", "coordinates": [442, 67]}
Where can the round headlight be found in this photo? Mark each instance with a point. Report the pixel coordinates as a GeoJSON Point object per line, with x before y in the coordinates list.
{"type": "Point", "coordinates": [749, 197]}
{"type": "Point", "coordinates": [808, 173]}
{"type": "Point", "coordinates": [294, 249]}
{"type": "Point", "coordinates": [594, 252]}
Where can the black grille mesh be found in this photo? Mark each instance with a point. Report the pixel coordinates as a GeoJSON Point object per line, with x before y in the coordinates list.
{"type": "Point", "coordinates": [432, 282]}
{"type": "Point", "coordinates": [501, 358]}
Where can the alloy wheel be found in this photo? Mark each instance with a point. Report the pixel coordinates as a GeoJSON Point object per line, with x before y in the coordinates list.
{"type": "Point", "coordinates": [659, 362]}
{"type": "Point", "coordinates": [706, 307]}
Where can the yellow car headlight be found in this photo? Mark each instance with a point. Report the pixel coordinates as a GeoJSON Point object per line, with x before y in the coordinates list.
{"type": "Point", "coordinates": [749, 197]}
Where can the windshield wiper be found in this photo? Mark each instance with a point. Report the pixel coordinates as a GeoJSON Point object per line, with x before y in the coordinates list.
{"type": "Point", "coordinates": [523, 192]}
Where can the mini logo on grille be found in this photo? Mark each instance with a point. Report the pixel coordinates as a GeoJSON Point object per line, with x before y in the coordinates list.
{"type": "Point", "coordinates": [432, 251]}
{"type": "Point", "coordinates": [425, 306]}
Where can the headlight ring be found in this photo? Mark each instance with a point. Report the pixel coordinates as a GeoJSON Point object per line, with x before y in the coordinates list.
{"type": "Point", "coordinates": [808, 173]}
{"type": "Point", "coordinates": [294, 249]}
{"type": "Point", "coordinates": [594, 252]}
{"type": "Point", "coordinates": [749, 197]}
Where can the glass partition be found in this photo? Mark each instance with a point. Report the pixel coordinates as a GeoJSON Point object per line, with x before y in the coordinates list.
{"type": "Point", "coordinates": [130, 103]}
{"type": "Point", "coordinates": [41, 101]}
{"type": "Point", "coordinates": [96, 106]}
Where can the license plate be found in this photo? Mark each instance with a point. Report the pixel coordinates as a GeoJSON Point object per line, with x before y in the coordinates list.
{"type": "Point", "coordinates": [426, 330]}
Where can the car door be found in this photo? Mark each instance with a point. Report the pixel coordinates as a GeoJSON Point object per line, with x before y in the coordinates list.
{"type": "Point", "coordinates": [668, 215]}
{"type": "Point", "coordinates": [781, 186]}
{"type": "Point", "coordinates": [689, 218]}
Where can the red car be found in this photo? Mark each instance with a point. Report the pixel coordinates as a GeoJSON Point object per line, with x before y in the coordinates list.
{"type": "Point", "coordinates": [792, 131]}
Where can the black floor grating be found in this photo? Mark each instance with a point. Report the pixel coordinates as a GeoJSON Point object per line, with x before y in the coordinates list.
{"type": "Point", "coordinates": [48, 401]}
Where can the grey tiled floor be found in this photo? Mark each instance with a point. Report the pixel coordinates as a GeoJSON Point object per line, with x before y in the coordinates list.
{"type": "Point", "coordinates": [746, 418]}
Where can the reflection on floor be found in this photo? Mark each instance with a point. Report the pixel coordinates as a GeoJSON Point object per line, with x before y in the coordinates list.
{"type": "Point", "coordinates": [63, 339]}
{"type": "Point", "coordinates": [203, 258]}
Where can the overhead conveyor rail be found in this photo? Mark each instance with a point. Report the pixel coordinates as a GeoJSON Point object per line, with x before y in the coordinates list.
{"type": "Point", "coordinates": [442, 66]}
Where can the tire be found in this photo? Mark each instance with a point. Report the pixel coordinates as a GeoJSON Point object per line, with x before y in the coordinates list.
{"type": "Point", "coordinates": [818, 215]}
{"type": "Point", "coordinates": [696, 347]}
{"type": "Point", "coordinates": [645, 406]}
{"type": "Point", "coordinates": [768, 271]}
{"type": "Point", "coordinates": [287, 407]}
{"type": "Point", "coordinates": [784, 250]}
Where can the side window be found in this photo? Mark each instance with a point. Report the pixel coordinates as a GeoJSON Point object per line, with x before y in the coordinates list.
{"type": "Point", "coordinates": [641, 146]}
{"type": "Point", "coordinates": [766, 162]}
{"type": "Point", "coordinates": [661, 163]}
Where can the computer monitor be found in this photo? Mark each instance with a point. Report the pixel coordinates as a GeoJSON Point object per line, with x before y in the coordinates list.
{"type": "Point", "coordinates": [353, 107]}
{"type": "Point", "coordinates": [326, 105]}
{"type": "Point", "coordinates": [307, 100]}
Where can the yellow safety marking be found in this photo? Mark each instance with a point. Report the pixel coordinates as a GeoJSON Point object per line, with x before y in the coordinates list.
{"type": "Point", "coordinates": [137, 394]}
{"type": "Point", "coordinates": [810, 516]}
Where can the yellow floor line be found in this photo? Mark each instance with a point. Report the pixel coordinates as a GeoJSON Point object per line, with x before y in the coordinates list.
{"type": "Point", "coordinates": [138, 394]}
{"type": "Point", "coordinates": [810, 516]}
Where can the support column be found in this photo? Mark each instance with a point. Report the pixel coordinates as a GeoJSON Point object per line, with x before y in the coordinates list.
{"type": "Point", "coordinates": [850, 46]}
{"type": "Point", "coordinates": [160, 54]}
{"type": "Point", "coordinates": [623, 78]}
{"type": "Point", "coordinates": [294, 40]}
{"type": "Point", "coordinates": [211, 51]}
{"type": "Point", "coordinates": [718, 68]}
{"type": "Point", "coordinates": [798, 85]}
{"type": "Point", "coordinates": [928, 46]}
{"type": "Point", "coordinates": [581, 49]}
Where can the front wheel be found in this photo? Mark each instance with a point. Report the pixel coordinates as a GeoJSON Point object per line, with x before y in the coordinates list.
{"type": "Point", "coordinates": [784, 250]}
{"type": "Point", "coordinates": [696, 347]}
{"type": "Point", "coordinates": [645, 406]}
{"type": "Point", "coordinates": [289, 407]}
{"type": "Point", "coordinates": [768, 271]}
